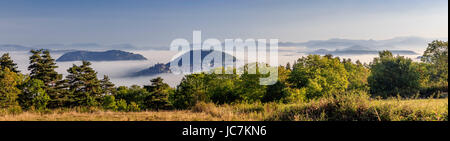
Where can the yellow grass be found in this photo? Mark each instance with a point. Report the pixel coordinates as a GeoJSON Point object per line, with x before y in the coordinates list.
{"type": "Point", "coordinates": [237, 112]}
{"type": "Point", "coordinates": [118, 116]}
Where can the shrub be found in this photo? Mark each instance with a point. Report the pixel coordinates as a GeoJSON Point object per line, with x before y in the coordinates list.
{"type": "Point", "coordinates": [14, 109]}
{"type": "Point", "coordinates": [122, 105]}
{"type": "Point", "coordinates": [109, 102]}
{"type": "Point", "coordinates": [40, 101]}
{"type": "Point", "coordinates": [275, 92]}
{"type": "Point", "coordinates": [133, 107]}
{"type": "Point", "coordinates": [135, 94]}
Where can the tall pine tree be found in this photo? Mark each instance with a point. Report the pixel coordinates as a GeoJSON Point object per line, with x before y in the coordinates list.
{"type": "Point", "coordinates": [49, 75]}
{"type": "Point", "coordinates": [42, 67]}
{"type": "Point", "coordinates": [159, 97]}
{"type": "Point", "coordinates": [84, 87]}
{"type": "Point", "coordinates": [7, 62]}
{"type": "Point", "coordinates": [36, 66]}
{"type": "Point", "coordinates": [107, 86]}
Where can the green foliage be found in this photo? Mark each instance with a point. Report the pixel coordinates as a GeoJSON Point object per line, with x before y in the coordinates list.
{"type": "Point", "coordinates": [7, 62]}
{"type": "Point", "coordinates": [42, 67]}
{"type": "Point", "coordinates": [40, 101]}
{"type": "Point", "coordinates": [279, 91]}
{"type": "Point", "coordinates": [133, 107]}
{"type": "Point", "coordinates": [248, 86]}
{"type": "Point", "coordinates": [84, 87]}
{"type": "Point", "coordinates": [357, 75]}
{"type": "Point", "coordinates": [295, 95]}
{"type": "Point", "coordinates": [222, 88]}
{"type": "Point", "coordinates": [107, 86]}
{"type": "Point", "coordinates": [109, 102]}
{"type": "Point", "coordinates": [319, 76]}
{"type": "Point", "coordinates": [276, 92]}
{"type": "Point", "coordinates": [34, 95]}
{"type": "Point", "coordinates": [159, 95]}
{"type": "Point", "coordinates": [14, 109]}
{"type": "Point", "coordinates": [391, 76]}
{"type": "Point", "coordinates": [218, 88]}
{"type": "Point", "coordinates": [436, 55]}
{"type": "Point", "coordinates": [190, 90]}
{"type": "Point", "coordinates": [9, 92]}
{"type": "Point", "coordinates": [135, 94]}
{"type": "Point", "coordinates": [122, 105]}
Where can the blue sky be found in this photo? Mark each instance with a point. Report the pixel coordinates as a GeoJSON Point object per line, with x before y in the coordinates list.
{"type": "Point", "coordinates": [157, 23]}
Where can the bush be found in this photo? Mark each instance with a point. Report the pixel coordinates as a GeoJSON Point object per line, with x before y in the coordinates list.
{"type": "Point", "coordinates": [275, 92]}
{"type": "Point", "coordinates": [40, 101]}
{"type": "Point", "coordinates": [133, 107]}
{"type": "Point", "coordinates": [135, 94]}
{"type": "Point", "coordinates": [14, 109]}
{"type": "Point", "coordinates": [109, 102]}
{"type": "Point", "coordinates": [122, 105]}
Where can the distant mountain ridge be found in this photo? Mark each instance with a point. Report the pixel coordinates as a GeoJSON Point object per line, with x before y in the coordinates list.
{"type": "Point", "coordinates": [12, 47]}
{"type": "Point", "coordinates": [337, 43]}
{"type": "Point", "coordinates": [65, 47]}
{"type": "Point", "coordinates": [110, 55]}
{"type": "Point", "coordinates": [358, 50]}
{"type": "Point", "coordinates": [332, 43]}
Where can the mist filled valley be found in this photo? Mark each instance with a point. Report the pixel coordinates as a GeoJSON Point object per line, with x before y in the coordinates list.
{"type": "Point", "coordinates": [119, 71]}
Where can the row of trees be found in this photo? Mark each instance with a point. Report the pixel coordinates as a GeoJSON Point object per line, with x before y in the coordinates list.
{"type": "Point", "coordinates": [315, 76]}
{"type": "Point", "coordinates": [310, 77]}
{"type": "Point", "coordinates": [44, 88]}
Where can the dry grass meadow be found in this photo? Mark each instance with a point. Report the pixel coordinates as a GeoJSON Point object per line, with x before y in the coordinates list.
{"type": "Point", "coordinates": [336, 109]}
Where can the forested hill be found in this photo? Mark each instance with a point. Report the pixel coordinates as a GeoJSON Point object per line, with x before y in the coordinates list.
{"type": "Point", "coordinates": [110, 55]}
{"type": "Point", "coordinates": [165, 68]}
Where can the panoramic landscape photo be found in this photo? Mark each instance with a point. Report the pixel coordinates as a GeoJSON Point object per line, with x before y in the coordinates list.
{"type": "Point", "coordinates": [266, 60]}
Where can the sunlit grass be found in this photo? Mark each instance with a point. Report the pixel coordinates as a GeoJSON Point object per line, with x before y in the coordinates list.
{"type": "Point", "coordinates": [347, 109]}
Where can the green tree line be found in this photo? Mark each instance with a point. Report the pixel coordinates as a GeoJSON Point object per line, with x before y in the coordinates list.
{"type": "Point", "coordinates": [310, 77]}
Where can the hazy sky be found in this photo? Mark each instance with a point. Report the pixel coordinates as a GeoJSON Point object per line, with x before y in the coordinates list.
{"type": "Point", "coordinates": [157, 23]}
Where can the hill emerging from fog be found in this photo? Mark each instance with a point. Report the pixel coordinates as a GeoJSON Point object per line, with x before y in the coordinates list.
{"type": "Point", "coordinates": [110, 55]}
{"type": "Point", "coordinates": [165, 68]}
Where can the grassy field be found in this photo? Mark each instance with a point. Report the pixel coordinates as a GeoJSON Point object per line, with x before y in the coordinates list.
{"type": "Point", "coordinates": [335, 109]}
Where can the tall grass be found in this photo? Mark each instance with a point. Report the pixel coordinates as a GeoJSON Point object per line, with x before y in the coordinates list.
{"type": "Point", "coordinates": [338, 108]}
{"type": "Point", "coordinates": [357, 108]}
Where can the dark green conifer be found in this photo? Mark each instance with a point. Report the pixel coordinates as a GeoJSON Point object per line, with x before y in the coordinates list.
{"type": "Point", "coordinates": [7, 62]}
{"type": "Point", "coordinates": [83, 85]}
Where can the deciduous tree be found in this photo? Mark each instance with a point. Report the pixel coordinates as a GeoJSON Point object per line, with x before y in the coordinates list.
{"type": "Point", "coordinates": [392, 76]}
